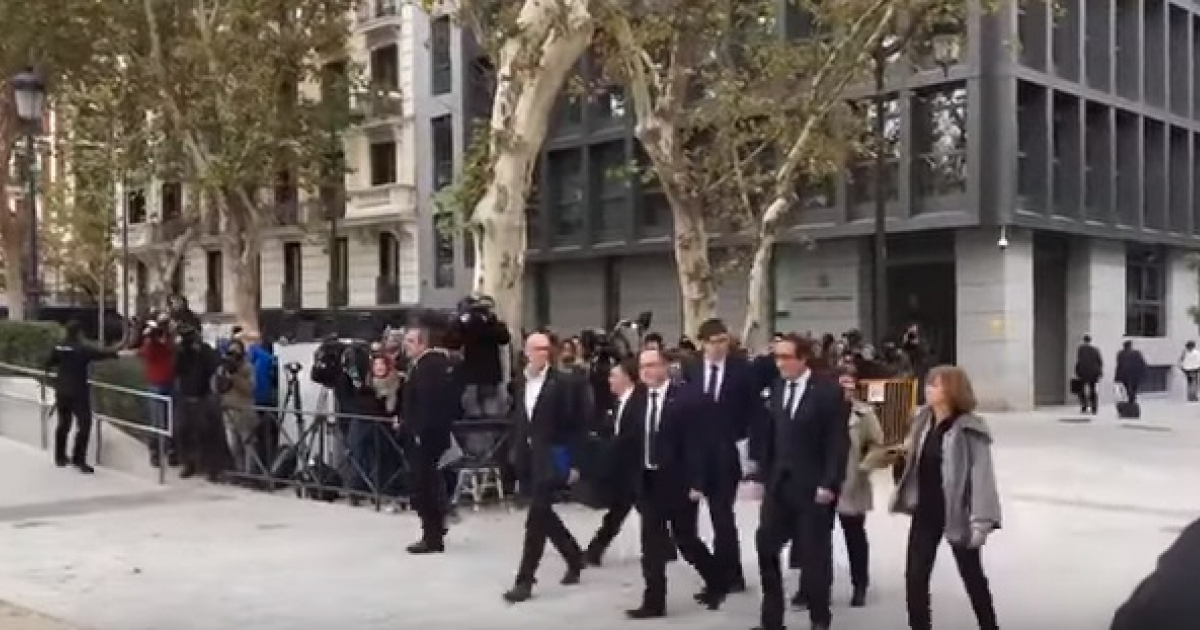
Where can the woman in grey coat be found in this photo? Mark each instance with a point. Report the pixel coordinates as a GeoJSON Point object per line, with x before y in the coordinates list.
{"type": "Point", "coordinates": [949, 489]}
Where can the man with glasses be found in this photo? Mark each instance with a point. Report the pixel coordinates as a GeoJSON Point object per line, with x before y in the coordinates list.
{"type": "Point", "coordinates": [800, 454]}
{"type": "Point", "coordinates": [730, 398]}
{"type": "Point", "coordinates": [548, 428]}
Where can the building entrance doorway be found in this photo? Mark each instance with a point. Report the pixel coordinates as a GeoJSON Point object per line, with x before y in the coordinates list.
{"type": "Point", "coordinates": [924, 293]}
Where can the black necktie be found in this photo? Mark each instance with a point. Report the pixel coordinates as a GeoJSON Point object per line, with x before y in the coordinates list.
{"type": "Point", "coordinates": [714, 373]}
{"type": "Point", "coordinates": [790, 402]}
{"type": "Point", "coordinates": [652, 433]}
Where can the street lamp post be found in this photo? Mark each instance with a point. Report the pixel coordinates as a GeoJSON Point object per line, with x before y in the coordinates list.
{"type": "Point", "coordinates": [29, 92]}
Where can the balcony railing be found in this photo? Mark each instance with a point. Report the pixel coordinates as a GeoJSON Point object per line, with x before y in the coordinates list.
{"type": "Point", "coordinates": [291, 297]}
{"type": "Point", "coordinates": [339, 295]}
{"type": "Point", "coordinates": [286, 213]}
{"type": "Point", "coordinates": [212, 223]}
{"type": "Point", "coordinates": [170, 229]}
{"type": "Point", "coordinates": [394, 200]}
{"type": "Point", "coordinates": [387, 290]}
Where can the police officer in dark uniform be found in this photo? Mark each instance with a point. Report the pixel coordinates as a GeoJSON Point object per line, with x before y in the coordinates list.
{"type": "Point", "coordinates": [72, 360]}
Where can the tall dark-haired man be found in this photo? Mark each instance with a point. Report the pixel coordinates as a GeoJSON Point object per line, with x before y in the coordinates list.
{"type": "Point", "coordinates": [622, 381]}
{"type": "Point", "coordinates": [731, 397]}
{"type": "Point", "coordinates": [660, 444]}
{"type": "Point", "coordinates": [800, 454]}
{"type": "Point", "coordinates": [549, 427]}
{"type": "Point", "coordinates": [430, 403]}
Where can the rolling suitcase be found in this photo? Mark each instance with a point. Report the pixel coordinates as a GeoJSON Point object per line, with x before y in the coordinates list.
{"type": "Point", "coordinates": [1128, 410]}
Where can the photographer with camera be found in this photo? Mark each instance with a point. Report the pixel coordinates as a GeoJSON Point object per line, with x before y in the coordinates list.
{"type": "Point", "coordinates": [235, 384]}
{"type": "Point", "coordinates": [481, 334]}
{"type": "Point", "coordinates": [201, 436]}
{"type": "Point", "coordinates": [157, 353]}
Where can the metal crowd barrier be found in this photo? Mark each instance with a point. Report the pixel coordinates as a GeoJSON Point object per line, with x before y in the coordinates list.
{"type": "Point", "coordinates": [155, 432]}
{"type": "Point", "coordinates": [895, 402]}
{"type": "Point", "coordinates": [326, 455]}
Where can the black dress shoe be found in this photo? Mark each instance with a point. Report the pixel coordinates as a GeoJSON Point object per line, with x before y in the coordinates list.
{"type": "Point", "coordinates": [711, 598]}
{"type": "Point", "coordinates": [646, 612]}
{"type": "Point", "coordinates": [61, 462]}
{"type": "Point", "coordinates": [800, 600]}
{"type": "Point", "coordinates": [187, 472]}
{"type": "Point", "coordinates": [423, 547]}
{"type": "Point", "coordinates": [520, 592]}
{"type": "Point", "coordinates": [858, 598]}
{"type": "Point", "coordinates": [572, 575]}
{"type": "Point", "coordinates": [84, 468]}
{"type": "Point", "coordinates": [820, 626]}
{"type": "Point", "coordinates": [593, 557]}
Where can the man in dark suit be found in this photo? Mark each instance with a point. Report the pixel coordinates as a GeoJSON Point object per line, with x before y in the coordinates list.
{"type": "Point", "coordinates": [548, 426]}
{"type": "Point", "coordinates": [622, 379]}
{"type": "Point", "coordinates": [730, 399]}
{"type": "Point", "coordinates": [430, 404]}
{"type": "Point", "coordinates": [660, 447]}
{"type": "Point", "coordinates": [799, 453]}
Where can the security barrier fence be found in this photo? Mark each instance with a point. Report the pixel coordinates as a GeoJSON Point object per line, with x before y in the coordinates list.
{"type": "Point", "coordinates": [895, 400]}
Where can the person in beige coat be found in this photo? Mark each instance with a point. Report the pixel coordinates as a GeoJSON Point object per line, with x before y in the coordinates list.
{"type": "Point", "coordinates": [867, 453]}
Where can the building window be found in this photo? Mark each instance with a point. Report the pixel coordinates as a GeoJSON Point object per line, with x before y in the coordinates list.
{"type": "Point", "coordinates": [940, 139]}
{"type": "Point", "coordinates": [172, 201]}
{"type": "Point", "coordinates": [385, 68]}
{"type": "Point", "coordinates": [388, 283]}
{"type": "Point", "coordinates": [443, 251]}
{"type": "Point", "coordinates": [863, 170]}
{"type": "Point", "coordinates": [214, 284]}
{"type": "Point", "coordinates": [340, 274]}
{"type": "Point", "coordinates": [293, 269]}
{"type": "Point", "coordinates": [541, 295]}
{"type": "Point", "coordinates": [653, 211]}
{"type": "Point", "coordinates": [1145, 299]}
{"type": "Point", "coordinates": [443, 151]}
{"type": "Point", "coordinates": [565, 186]}
{"type": "Point", "coordinates": [610, 182]}
{"type": "Point", "coordinates": [440, 56]}
{"type": "Point", "coordinates": [609, 106]}
{"type": "Point", "coordinates": [383, 163]}
{"type": "Point", "coordinates": [335, 86]}
{"type": "Point", "coordinates": [135, 205]}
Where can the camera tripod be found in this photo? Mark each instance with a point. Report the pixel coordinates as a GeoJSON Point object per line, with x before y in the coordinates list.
{"type": "Point", "coordinates": [303, 461]}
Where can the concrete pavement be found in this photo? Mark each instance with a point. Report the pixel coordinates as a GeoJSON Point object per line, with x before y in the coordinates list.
{"type": "Point", "coordinates": [1088, 507]}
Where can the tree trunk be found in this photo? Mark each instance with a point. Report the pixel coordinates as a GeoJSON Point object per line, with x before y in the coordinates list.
{"type": "Point", "coordinates": [754, 331]}
{"type": "Point", "coordinates": [697, 286]}
{"type": "Point", "coordinates": [14, 277]}
{"type": "Point", "coordinates": [550, 37]}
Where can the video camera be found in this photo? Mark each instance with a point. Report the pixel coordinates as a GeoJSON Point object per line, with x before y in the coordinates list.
{"type": "Point", "coordinates": [327, 362]}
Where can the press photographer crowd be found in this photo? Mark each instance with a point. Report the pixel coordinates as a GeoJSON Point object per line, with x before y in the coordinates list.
{"type": "Point", "coordinates": [615, 419]}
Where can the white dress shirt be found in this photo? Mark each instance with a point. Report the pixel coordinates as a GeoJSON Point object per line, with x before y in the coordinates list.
{"type": "Point", "coordinates": [715, 391]}
{"type": "Point", "coordinates": [533, 389]}
{"type": "Point", "coordinates": [801, 385]}
{"type": "Point", "coordinates": [651, 422]}
{"type": "Point", "coordinates": [621, 402]}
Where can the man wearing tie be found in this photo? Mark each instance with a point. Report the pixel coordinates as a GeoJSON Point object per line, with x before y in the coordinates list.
{"type": "Point", "coordinates": [731, 398]}
{"type": "Point", "coordinates": [800, 456]}
{"type": "Point", "coordinates": [622, 379]}
{"type": "Point", "coordinates": [548, 427]}
{"type": "Point", "coordinates": [660, 440]}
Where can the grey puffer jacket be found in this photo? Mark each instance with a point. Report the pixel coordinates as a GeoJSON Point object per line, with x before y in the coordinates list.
{"type": "Point", "coordinates": [968, 476]}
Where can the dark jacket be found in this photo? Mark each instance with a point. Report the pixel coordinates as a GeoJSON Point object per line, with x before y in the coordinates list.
{"type": "Point", "coordinates": [680, 454]}
{"type": "Point", "coordinates": [728, 419]}
{"type": "Point", "coordinates": [195, 365]}
{"type": "Point", "coordinates": [1089, 365]}
{"type": "Point", "coordinates": [557, 421]}
{"type": "Point", "coordinates": [72, 360]}
{"type": "Point", "coordinates": [431, 400]}
{"type": "Point", "coordinates": [1166, 599]}
{"type": "Point", "coordinates": [481, 351]}
{"type": "Point", "coordinates": [1131, 367]}
{"type": "Point", "coordinates": [807, 451]}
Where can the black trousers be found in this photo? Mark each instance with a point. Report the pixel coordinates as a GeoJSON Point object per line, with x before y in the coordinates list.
{"type": "Point", "coordinates": [610, 524]}
{"type": "Point", "coordinates": [543, 524]}
{"type": "Point", "coordinates": [428, 493]}
{"type": "Point", "coordinates": [202, 445]}
{"type": "Point", "coordinates": [854, 530]}
{"type": "Point", "coordinates": [1088, 399]}
{"type": "Point", "coordinates": [924, 537]}
{"type": "Point", "coordinates": [782, 518]}
{"type": "Point", "coordinates": [726, 547]}
{"type": "Point", "coordinates": [665, 517]}
{"type": "Point", "coordinates": [77, 411]}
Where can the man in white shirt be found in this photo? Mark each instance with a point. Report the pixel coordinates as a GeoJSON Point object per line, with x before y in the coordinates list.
{"type": "Point", "coordinates": [548, 431]}
{"type": "Point", "coordinates": [622, 379]}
